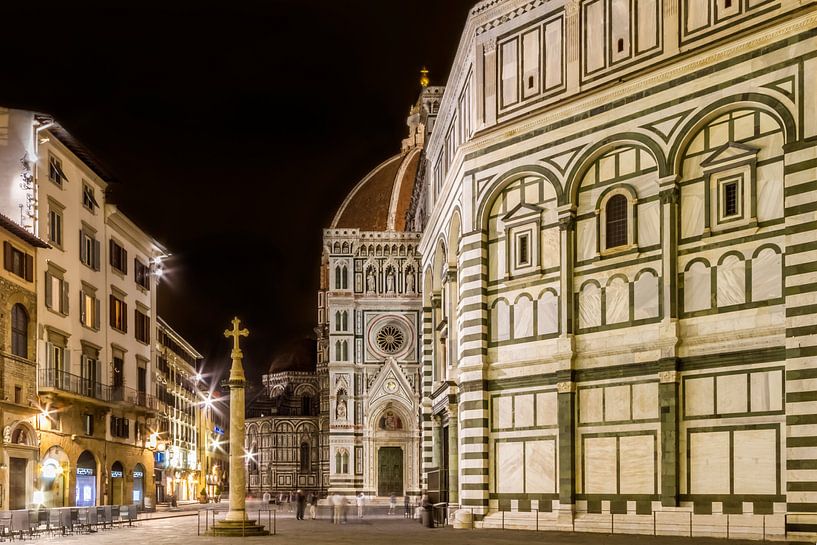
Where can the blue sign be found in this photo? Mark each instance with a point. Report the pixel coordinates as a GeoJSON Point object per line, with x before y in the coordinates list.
{"type": "Point", "coordinates": [218, 430]}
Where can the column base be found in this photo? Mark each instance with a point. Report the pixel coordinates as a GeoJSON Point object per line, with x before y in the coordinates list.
{"type": "Point", "coordinates": [237, 528]}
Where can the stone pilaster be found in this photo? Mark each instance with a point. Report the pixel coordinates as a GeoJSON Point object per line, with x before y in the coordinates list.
{"type": "Point", "coordinates": [668, 416]}
{"type": "Point", "coordinates": [566, 407]}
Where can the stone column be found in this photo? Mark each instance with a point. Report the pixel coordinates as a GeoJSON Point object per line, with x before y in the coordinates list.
{"type": "Point", "coordinates": [237, 382]}
{"type": "Point", "coordinates": [668, 407]}
{"type": "Point", "coordinates": [436, 434]}
{"type": "Point", "coordinates": [566, 402]}
{"type": "Point", "coordinates": [453, 455]}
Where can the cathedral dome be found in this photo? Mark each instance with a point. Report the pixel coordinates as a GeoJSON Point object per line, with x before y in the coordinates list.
{"type": "Point", "coordinates": [379, 202]}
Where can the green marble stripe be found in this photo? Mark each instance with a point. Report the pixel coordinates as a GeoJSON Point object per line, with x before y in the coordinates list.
{"type": "Point", "coordinates": [474, 307]}
{"type": "Point", "coordinates": [477, 322]}
{"type": "Point", "coordinates": [800, 397]}
{"type": "Point", "coordinates": [474, 455]}
{"type": "Point", "coordinates": [802, 486]}
{"type": "Point", "coordinates": [801, 419]}
{"type": "Point", "coordinates": [804, 310]}
{"type": "Point", "coordinates": [475, 337]}
{"type": "Point", "coordinates": [801, 227]}
{"type": "Point", "coordinates": [801, 331]}
{"type": "Point", "coordinates": [474, 486]}
{"type": "Point", "coordinates": [733, 241]}
{"type": "Point", "coordinates": [801, 352]}
{"type": "Point", "coordinates": [481, 440]}
{"type": "Point", "coordinates": [479, 404]}
{"type": "Point", "coordinates": [481, 261]}
{"type": "Point", "coordinates": [474, 352]}
{"type": "Point", "coordinates": [801, 507]}
{"type": "Point", "coordinates": [474, 471]}
{"type": "Point", "coordinates": [798, 209]}
{"type": "Point", "coordinates": [799, 189]}
{"type": "Point", "coordinates": [800, 268]}
{"type": "Point", "coordinates": [806, 441]}
{"type": "Point", "coordinates": [801, 464]}
{"type": "Point", "coordinates": [792, 249]}
{"type": "Point", "coordinates": [801, 374]}
{"type": "Point", "coordinates": [474, 502]}
{"type": "Point", "coordinates": [791, 168]}
{"type": "Point", "coordinates": [475, 423]}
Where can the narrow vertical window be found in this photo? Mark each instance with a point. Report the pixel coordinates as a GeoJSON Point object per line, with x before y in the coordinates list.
{"type": "Point", "coordinates": [616, 221]}
{"type": "Point", "coordinates": [19, 331]}
{"type": "Point", "coordinates": [730, 199]}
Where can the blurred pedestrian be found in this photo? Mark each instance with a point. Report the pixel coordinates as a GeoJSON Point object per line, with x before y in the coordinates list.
{"type": "Point", "coordinates": [360, 501]}
{"type": "Point", "coordinates": [344, 507]}
{"type": "Point", "coordinates": [407, 506]}
{"type": "Point", "coordinates": [392, 503]}
{"type": "Point", "coordinates": [312, 500]}
{"type": "Point", "coordinates": [300, 500]}
{"type": "Point", "coordinates": [334, 499]}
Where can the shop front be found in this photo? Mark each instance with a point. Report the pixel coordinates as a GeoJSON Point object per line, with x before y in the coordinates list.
{"type": "Point", "coordinates": [54, 471]}
{"type": "Point", "coordinates": [139, 485]}
{"type": "Point", "coordinates": [117, 483]}
{"type": "Point", "coordinates": [86, 489]}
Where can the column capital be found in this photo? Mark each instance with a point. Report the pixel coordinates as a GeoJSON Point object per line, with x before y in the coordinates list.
{"type": "Point", "coordinates": [568, 387]}
{"type": "Point", "coordinates": [668, 377]}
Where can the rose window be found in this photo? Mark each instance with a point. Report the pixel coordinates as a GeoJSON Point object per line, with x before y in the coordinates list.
{"type": "Point", "coordinates": [390, 339]}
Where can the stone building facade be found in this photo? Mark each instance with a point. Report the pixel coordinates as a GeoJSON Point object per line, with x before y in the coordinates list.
{"type": "Point", "coordinates": [618, 284]}
{"type": "Point", "coordinates": [283, 439]}
{"type": "Point", "coordinates": [96, 303]}
{"type": "Point", "coordinates": [18, 365]}
{"type": "Point", "coordinates": [177, 466]}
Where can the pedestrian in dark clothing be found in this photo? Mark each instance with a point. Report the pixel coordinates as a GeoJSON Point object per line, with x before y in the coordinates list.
{"type": "Point", "coordinates": [301, 501]}
{"type": "Point", "coordinates": [407, 506]}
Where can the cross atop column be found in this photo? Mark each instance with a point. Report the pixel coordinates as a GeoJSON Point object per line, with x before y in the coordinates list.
{"type": "Point", "coordinates": [236, 334]}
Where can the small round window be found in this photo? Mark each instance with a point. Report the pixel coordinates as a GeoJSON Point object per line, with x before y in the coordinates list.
{"type": "Point", "coordinates": [390, 339]}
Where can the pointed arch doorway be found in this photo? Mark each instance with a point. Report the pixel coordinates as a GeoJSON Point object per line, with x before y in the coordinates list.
{"type": "Point", "coordinates": [390, 471]}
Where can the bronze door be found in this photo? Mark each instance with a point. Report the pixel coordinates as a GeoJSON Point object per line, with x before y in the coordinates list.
{"type": "Point", "coordinates": [390, 471]}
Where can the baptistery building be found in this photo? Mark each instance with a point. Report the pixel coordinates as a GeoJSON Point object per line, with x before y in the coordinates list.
{"type": "Point", "coordinates": [619, 300]}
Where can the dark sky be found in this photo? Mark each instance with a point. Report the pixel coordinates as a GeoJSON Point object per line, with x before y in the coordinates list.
{"type": "Point", "coordinates": [234, 132]}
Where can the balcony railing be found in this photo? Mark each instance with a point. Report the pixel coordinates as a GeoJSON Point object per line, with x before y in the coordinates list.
{"type": "Point", "coordinates": [75, 384]}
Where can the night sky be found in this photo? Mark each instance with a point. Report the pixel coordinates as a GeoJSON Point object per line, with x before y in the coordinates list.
{"type": "Point", "coordinates": [234, 133]}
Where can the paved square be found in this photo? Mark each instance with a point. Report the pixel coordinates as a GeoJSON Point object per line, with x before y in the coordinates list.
{"type": "Point", "coordinates": [379, 529]}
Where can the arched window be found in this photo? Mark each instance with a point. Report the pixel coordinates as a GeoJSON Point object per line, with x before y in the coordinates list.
{"type": "Point", "coordinates": [616, 221]}
{"type": "Point", "coordinates": [338, 351]}
{"type": "Point", "coordinates": [19, 331]}
{"type": "Point", "coordinates": [344, 321]}
{"type": "Point", "coordinates": [305, 463]}
{"type": "Point", "coordinates": [338, 323]}
{"type": "Point", "coordinates": [306, 406]}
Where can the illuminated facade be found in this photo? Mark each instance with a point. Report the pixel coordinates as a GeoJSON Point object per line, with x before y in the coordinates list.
{"type": "Point", "coordinates": [177, 461]}
{"type": "Point", "coordinates": [618, 262]}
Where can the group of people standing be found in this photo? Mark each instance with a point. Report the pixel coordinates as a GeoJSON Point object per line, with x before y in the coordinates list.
{"type": "Point", "coordinates": [300, 500]}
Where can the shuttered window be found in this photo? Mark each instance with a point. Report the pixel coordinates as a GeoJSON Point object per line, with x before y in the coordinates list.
{"type": "Point", "coordinates": [18, 262]}
{"type": "Point", "coordinates": [119, 314]}
{"type": "Point", "coordinates": [119, 257]}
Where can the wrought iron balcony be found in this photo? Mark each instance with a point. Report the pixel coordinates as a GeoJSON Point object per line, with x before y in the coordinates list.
{"type": "Point", "coordinates": [85, 387]}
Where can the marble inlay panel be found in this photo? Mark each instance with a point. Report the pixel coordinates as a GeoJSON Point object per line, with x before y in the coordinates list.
{"type": "Point", "coordinates": [637, 463]}
{"type": "Point", "coordinates": [767, 391]}
{"type": "Point", "coordinates": [546, 409]}
{"type": "Point", "coordinates": [617, 403]}
{"type": "Point", "coordinates": [591, 405]}
{"type": "Point", "coordinates": [617, 301]}
{"type": "Point", "coordinates": [697, 288]}
{"type": "Point", "coordinates": [732, 391]}
{"type": "Point", "coordinates": [509, 467]}
{"type": "Point", "coordinates": [699, 396]}
{"type": "Point", "coordinates": [590, 306]}
{"type": "Point", "coordinates": [523, 411]}
{"type": "Point", "coordinates": [755, 461]}
{"type": "Point", "coordinates": [767, 273]}
{"type": "Point", "coordinates": [731, 282]}
{"type": "Point", "coordinates": [600, 465]}
{"type": "Point", "coordinates": [540, 467]}
{"type": "Point", "coordinates": [548, 314]}
{"type": "Point", "coordinates": [709, 462]}
{"type": "Point", "coordinates": [649, 223]}
{"type": "Point", "coordinates": [586, 239]}
{"type": "Point", "coordinates": [645, 401]}
{"type": "Point", "coordinates": [645, 297]}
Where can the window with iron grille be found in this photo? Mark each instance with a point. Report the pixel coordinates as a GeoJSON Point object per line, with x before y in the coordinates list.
{"type": "Point", "coordinates": [616, 222]}
{"type": "Point", "coordinates": [730, 199]}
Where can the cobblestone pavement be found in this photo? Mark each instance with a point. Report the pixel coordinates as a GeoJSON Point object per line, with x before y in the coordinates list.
{"type": "Point", "coordinates": [371, 530]}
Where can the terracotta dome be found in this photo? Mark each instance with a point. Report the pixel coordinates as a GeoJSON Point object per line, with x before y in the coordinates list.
{"type": "Point", "coordinates": [380, 200]}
